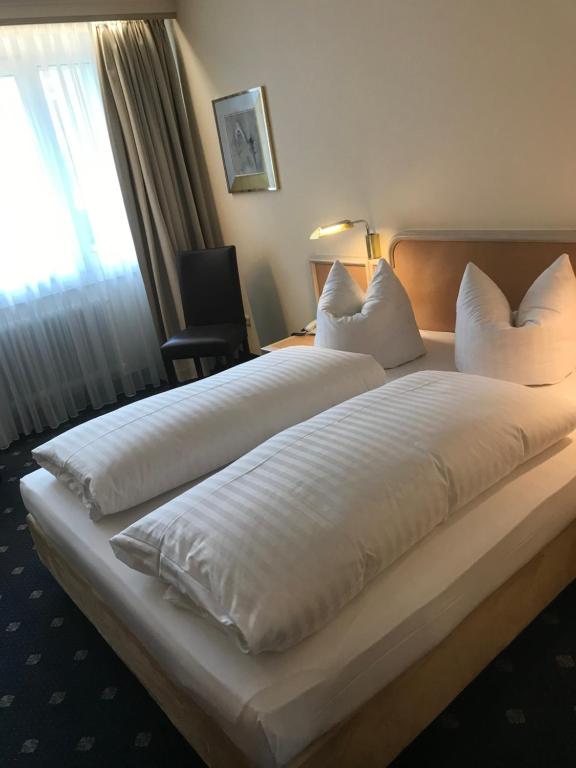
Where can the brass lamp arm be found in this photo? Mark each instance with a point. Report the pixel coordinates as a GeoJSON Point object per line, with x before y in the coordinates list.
{"type": "Point", "coordinates": [363, 221]}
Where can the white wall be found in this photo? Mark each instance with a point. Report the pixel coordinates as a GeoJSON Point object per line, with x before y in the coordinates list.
{"type": "Point", "coordinates": [20, 11]}
{"type": "Point", "coordinates": [412, 113]}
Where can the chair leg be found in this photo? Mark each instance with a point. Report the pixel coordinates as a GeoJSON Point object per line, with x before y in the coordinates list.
{"type": "Point", "coordinates": [198, 364]}
{"type": "Point", "coordinates": [170, 371]}
{"type": "Point", "coordinates": [230, 361]}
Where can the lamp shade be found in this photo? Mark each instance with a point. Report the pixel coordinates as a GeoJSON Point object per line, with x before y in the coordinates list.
{"type": "Point", "coordinates": [372, 238]}
{"type": "Point", "coordinates": [332, 229]}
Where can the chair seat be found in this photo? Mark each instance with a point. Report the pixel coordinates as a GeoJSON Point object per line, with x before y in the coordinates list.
{"type": "Point", "coordinates": [205, 341]}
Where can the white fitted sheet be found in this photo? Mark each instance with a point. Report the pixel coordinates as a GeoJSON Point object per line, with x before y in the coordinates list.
{"type": "Point", "coordinates": [274, 705]}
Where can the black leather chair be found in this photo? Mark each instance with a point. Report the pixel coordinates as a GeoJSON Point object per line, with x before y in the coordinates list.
{"type": "Point", "coordinates": [213, 309]}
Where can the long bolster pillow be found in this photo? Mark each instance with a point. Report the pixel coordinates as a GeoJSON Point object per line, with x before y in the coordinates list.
{"type": "Point", "coordinates": [154, 445]}
{"type": "Point", "coordinates": [277, 543]}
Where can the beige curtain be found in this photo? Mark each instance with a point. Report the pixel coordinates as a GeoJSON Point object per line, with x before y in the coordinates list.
{"type": "Point", "coordinates": [155, 157]}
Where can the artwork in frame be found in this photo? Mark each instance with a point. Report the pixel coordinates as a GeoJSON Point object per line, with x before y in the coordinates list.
{"type": "Point", "coordinates": [245, 141]}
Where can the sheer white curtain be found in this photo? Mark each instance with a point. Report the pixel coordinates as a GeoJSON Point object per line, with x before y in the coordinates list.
{"type": "Point", "coordinates": [75, 325]}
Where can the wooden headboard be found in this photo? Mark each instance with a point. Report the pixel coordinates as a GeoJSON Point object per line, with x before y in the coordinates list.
{"type": "Point", "coordinates": [431, 265]}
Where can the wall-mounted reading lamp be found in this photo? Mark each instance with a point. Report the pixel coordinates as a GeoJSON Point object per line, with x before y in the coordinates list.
{"type": "Point", "coordinates": [372, 238]}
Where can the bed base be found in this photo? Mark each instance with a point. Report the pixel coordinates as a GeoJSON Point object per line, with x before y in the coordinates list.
{"type": "Point", "coordinates": [382, 727]}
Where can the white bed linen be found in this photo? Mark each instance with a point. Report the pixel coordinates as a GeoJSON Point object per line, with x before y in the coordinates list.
{"type": "Point", "coordinates": [274, 545]}
{"type": "Point", "coordinates": [134, 453]}
{"type": "Point", "coordinates": [273, 705]}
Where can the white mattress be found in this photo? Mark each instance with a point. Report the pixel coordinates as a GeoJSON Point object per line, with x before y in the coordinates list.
{"type": "Point", "coordinates": [274, 705]}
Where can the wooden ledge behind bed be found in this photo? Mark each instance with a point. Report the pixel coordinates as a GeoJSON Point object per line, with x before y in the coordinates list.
{"type": "Point", "coordinates": [380, 729]}
{"type": "Point", "coordinates": [430, 266]}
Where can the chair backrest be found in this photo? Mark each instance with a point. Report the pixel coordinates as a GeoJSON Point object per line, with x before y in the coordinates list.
{"type": "Point", "coordinates": [210, 286]}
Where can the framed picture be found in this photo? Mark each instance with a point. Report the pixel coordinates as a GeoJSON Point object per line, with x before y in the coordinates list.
{"type": "Point", "coordinates": [245, 142]}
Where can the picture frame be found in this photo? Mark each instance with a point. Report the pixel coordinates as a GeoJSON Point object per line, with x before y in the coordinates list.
{"type": "Point", "coordinates": [245, 141]}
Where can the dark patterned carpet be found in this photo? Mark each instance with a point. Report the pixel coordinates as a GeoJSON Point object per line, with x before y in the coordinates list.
{"type": "Point", "coordinates": [67, 701]}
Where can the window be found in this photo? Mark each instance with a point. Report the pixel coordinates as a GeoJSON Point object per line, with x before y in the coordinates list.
{"type": "Point", "coordinates": [62, 217]}
{"type": "Point", "coordinates": [75, 324]}
{"type": "Point", "coordinates": [36, 239]}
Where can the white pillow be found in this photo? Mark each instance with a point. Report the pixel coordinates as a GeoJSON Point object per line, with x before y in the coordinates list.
{"type": "Point", "coordinates": [380, 324]}
{"type": "Point", "coordinates": [535, 345]}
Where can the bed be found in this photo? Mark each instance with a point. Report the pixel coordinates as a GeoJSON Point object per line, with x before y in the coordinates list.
{"type": "Point", "coordinates": [359, 690]}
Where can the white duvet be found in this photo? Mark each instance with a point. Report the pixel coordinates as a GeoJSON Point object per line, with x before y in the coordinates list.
{"type": "Point", "coordinates": [154, 445]}
{"type": "Point", "coordinates": [276, 544]}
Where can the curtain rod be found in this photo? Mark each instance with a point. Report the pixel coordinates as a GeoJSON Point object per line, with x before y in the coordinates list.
{"type": "Point", "coordinates": [90, 17]}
